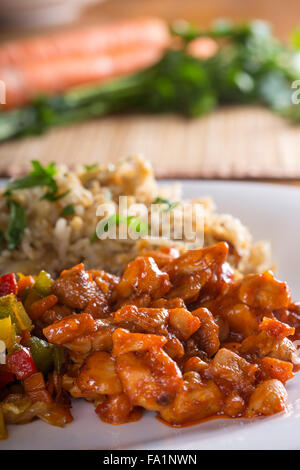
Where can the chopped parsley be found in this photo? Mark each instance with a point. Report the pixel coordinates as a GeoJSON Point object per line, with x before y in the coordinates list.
{"type": "Point", "coordinates": [68, 210]}
{"type": "Point", "coordinates": [170, 205]}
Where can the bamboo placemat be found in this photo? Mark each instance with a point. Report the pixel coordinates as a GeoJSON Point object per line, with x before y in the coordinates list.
{"type": "Point", "coordinates": [231, 143]}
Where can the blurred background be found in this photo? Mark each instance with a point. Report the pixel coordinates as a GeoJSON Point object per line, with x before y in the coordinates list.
{"type": "Point", "coordinates": [230, 142]}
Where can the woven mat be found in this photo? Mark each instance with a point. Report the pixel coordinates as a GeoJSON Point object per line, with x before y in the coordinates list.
{"type": "Point", "coordinates": [230, 143]}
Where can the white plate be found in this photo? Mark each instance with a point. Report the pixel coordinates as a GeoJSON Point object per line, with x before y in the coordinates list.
{"type": "Point", "coordinates": [272, 212]}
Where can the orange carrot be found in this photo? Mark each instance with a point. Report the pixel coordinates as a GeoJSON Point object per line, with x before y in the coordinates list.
{"type": "Point", "coordinates": [89, 41]}
{"type": "Point", "coordinates": [25, 281]}
{"type": "Point", "coordinates": [41, 306]}
{"type": "Point", "coordinates": [57, 75]}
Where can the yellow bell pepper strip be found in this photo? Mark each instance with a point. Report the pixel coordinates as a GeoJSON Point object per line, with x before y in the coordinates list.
{"type": "Point", "coordinates": [43, 284]}
{"type": "Point", "coordinates": [10, 306]}
{"type": "Point", "coordinates": [8, 284]}
{"type": "Point", "coordinates": [6, 331]}
{"type": "Point", "coordinates": [21, 363]}
{"type": "Point", "coordinates": [3, 430]}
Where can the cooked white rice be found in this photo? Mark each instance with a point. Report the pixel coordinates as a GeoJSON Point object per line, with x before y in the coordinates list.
{"type": "Point", "coordinates": [54, 243]}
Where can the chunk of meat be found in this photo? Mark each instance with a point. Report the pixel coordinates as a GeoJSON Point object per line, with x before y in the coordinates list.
{"type": "Point", "coordinates": [142, 276]}
{"type": "Point", "coordinates": [264, 291]}
{"type": "Point", "coordinates": [268, 398]}
{"type": "Point", "coordinates": [191, 271]}
{"type": "Point", "coordinates": [117, 409]}
{"type": "Point", "coordinates": [207, 336]}
{"type": "Point", "coordinates": [234, 405]}
{"type": "Point", "coordinates": [76, 289]}
{"type": "Point", "coordinates": [99, 375]}
{"type": "Point", "coordinates": [241, 319]}
{"type": "Point", "coordinates": [196, 400]}
{"type": "Point", "coordinates": [149, 320]}
{"type": "Point", "coordinates": [98, 340]}
{"type": "Point", "coordinates": [150, 380]}
{"type": "Point", "coordinates": [291, 316]}
{"type": "Point", "coordinates": [230, 367]}
{"type": "Point", "coordinates": [69, 328]}
{"type": "Point", "coordinates": [270, 334]}
{"type": "Point", "coordinates": [163, 255]}
{"type": "Point", "coordinates": [183, 323]}
{"type": "Point", "coordinates": [124, 342]}
{"type": "Point", "coordinates": [271, 368]}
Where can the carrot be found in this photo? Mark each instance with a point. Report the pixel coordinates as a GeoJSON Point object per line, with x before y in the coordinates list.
{"type": "Point", "coordinates": [25, 281]}
{"type": "Point", "coordinates": [89, 41]}
{"type": "Point", "coordinates": [41, 306]}
{"type": "Point", "coordinates": [57, 75]}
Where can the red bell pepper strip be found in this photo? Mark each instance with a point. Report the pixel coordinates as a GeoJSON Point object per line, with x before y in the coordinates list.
{"type": "Point", "coordinates": [8, 284]}
{"type": "Point", "coordinates": [21, 363]}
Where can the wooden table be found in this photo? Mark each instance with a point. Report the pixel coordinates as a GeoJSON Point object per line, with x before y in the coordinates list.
{"type": "Point", "coordinates": [236, 142]}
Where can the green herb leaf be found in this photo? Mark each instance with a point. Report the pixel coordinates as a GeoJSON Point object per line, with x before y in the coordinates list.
{"type": "Point", "coordinates": [139, 225]}
{"type": "Point", "coordinates": [16, 226]}
{"type": "Point", "coordinates": [94, 166]}
{"type": "Point", "coordinates": [68, 210]}
{"type": "Point", "coordinates": [170, 205]}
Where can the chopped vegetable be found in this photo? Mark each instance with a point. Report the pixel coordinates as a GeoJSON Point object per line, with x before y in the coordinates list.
{"type": "Point", "coordinates": [68, 210]}
{"type": "Point", "coordinates": [135, 223]}
{"type": "Point", "coordinates": [39, 176]}
{"type": "Point", "coordinates": [43, 283]}
{"type": "Point", "coordinates": [21, 363]}
{"type": "Point", "coordinates": [40, 306]}
{"type": "Point", "coordinates": [170, 205]}
{"type": "Point", "coordinates": [7, 332]}
{"type": "Point", "coordinates": [8, 284]}
{"type": "Point", "coordinates": [35, 388]}
{"type": "Point", "coordinates": [42, 352]}
{"type": "Point", "coordinates": [24, 282]}
{"type": "Point", "coordinates": [59, 358]}
{"type": "Point", "coordinates": [10, 306]}
{"type": "Point", "coordinates": [16, 226]}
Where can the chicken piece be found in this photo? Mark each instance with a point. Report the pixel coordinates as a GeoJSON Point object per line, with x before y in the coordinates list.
{"type": "Point", "coordinates": [56, 313]}
{"type": "Point", "coordinates": [286, 351]}
{"type": "Point", "coordinates": [149, 320]}
{"type": "Point", "coordinates": [269, 397]}
{"type": "Point", "coordinates": [231, 368]}
{"type": "Point", "coordinates": [191, 271]}
{"type": "Point", "coordinates": [291, 316]}
{"type": "Point", "coordinates": [234, 405]}
{"type": "Point", "coordinates": [270, 334]}
{"type": "Point", "coordinates": [174, 348]}
{"type": "Point", "coordinates": [69, 384]}
{"type": "Point", "coordinates": [76, 289]}
{"type": "Point", "coordinates": [164, 255]}
{"type": "Point", "coordinates": [271, 368]}
{"type": "Point", "coordinates": [151, 379]}
{"type": "Point", "coordinates": [98, 340]}
{"type": "Point", "coordinates": [195, 364]}
{"type": "Point", "coordinates": [142, 276]}
{"type": "Point", "coordinates": [207, 336]}
{"type": "Point", "coordinates": [168, 303]}
{"type": "Point", "coordinates": [196, 400]}
{"type": "Point", "coordinates": [124, 342]}
{"type": "Point", "coordinates": [183, 322]}
{"type": "Point", "coordinates": [69, 328]}
{"type": "Point", "coordinates": [105, 281]}
{"type": "Point", "coordinates": [264, 291]}
{"type": "Point", "coordinates": [98, 375]}
{"type": "Point", "coordinates": [117, 409]}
